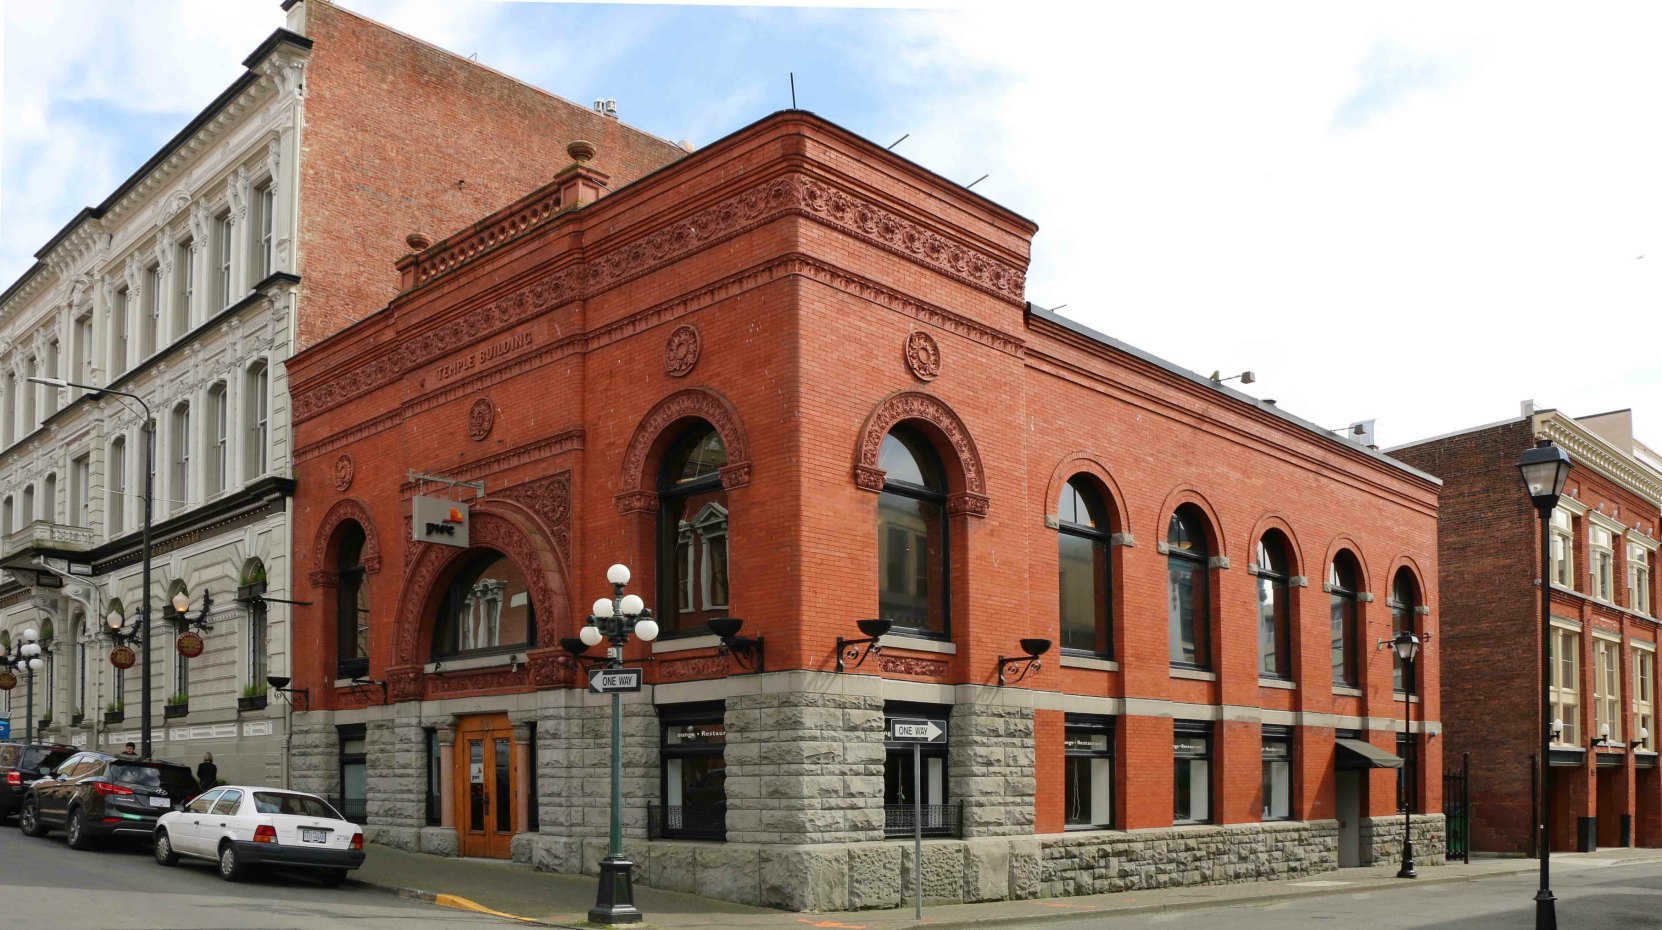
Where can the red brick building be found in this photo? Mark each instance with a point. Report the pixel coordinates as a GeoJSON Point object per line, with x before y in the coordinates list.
{"type": "Point", "coordinates": [794, 378]}
{"type": "Point", "coordinates": [1606, 789]}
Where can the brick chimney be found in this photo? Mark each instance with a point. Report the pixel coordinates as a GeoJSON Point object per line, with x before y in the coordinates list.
{"type": "Point", "coordinates": [580, 184]}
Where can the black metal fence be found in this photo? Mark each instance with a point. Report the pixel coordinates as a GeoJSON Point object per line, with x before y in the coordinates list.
{"type": "Point", "coordinates": [1457, 811]}
{"type": "Point", "coordinates": [353, 809]}
{"type": "Point", "coordinates": [679, 822]}
{"type": "Point", "coordinates": [900, 820]}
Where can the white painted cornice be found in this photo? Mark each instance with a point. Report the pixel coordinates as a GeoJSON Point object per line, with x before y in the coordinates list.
{"type": "Point", "coordinates": [1588, 450]}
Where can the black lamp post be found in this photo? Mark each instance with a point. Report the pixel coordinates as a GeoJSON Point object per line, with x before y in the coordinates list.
{"type": "Point", "coordinates": [614, 618]}
{"type": "Point", "coordinates": [28, 659]}
{"type": "Point", "coordinates": [149, 481]}
{"type": "Point", "coordinates": [1407, 647]}
{"type": "Point", "coordinates": [1544, 470]}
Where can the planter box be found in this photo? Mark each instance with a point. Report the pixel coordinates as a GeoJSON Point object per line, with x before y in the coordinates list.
{"type": "Point", "coordinates": [114, 716]}
{"type": "Point", "coordinates": [257, 702]}
{"type": "Point", "coordinates": [75, 719]}
{"type": "Point", "coordinates": [248, 592]}
{"type": "Point", "coordinates": [171, 711]}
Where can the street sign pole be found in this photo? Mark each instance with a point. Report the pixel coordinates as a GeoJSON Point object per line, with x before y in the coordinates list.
{"type": "Point", "coordinates": [917, 825]}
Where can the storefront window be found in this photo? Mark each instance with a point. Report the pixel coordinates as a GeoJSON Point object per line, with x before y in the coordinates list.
{"type": "Point", "coordinates": [1278, 773]}
{"type": "Point", "coordinates": [354, 773]}
{"type": "Point", "coordinates": [1089, 781]}
{"type": "Point", "coordinates": [695, 773]}
{"type": "Point", "coordinates": [905, 784]}
{"type": "Point", "coordinates": [1193, 770]}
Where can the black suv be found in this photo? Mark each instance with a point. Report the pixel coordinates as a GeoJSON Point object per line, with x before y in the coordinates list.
{"type": "Point", "coordinates": [20, 764]}
{"type": "Point", "coordinates": [95, 794]}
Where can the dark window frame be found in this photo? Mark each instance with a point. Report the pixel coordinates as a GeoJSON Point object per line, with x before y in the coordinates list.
{"type": "Point", "coordinates": [936, 497]}
{"type": "Point", "coordinates": [1202, 729]}
{"type": "Point", "coordinates": [345, 733]}
{"type": "Point", "coordinates": [1280, 735]}
{"type": "Point", "coordinates": [1091, 724]}
{"type": "Point", "coordinates": [673, 716]}
{"type": "Point", "coordinates": [1198, 565]}
{"type": "Point", "coordinates": [1409, 750]}
{"type": "Point", "coordinates": [1098, 536]}
{"type": "Point", "coordinates": [671, 491]}
{"type": "Point", "coordinates": [444, 628]}
{"type": "Point", "coordinates": [1404, 604]}
{"type": "Point", "coordinates": [435, 779]}
{"type": "Point", "coordinates": [351, 577]}
{"type": "Point", "coordinates": [1279, 580]}
{"type": "Point", "coordinates": [1347, 674]}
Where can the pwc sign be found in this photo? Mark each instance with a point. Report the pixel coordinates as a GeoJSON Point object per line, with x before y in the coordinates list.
{"type": "Point", "coordinates": [436, 520]}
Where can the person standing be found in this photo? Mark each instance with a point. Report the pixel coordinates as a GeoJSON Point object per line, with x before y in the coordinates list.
{"type": "Point", "coordinates": [129, 751]}
{"type": "Point", "coordinates": [207, 774]}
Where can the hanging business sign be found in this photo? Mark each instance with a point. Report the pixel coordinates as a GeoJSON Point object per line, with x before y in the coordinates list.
{"type": "Point", "coordinates": [8, 681]}
{"type": "Point", "coordinates": [189, 644]}
{"type": "Point", "coordinates": [440, 521]}
{"type": "Point", "coordinates": [123, 657]}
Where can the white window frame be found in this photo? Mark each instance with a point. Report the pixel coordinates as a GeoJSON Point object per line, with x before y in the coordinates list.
{"type": "Point", "coordinates": [711, 524]}
{"type": "Point", "coordinates": [222, 231]}
{"type": "Point", "coordinates": [257, 407]}
{"type": "Point", "coordinates": [1565, 697]}
{"type": "Point", "coordinates": [219, 415]}
{"type": "Point", "coordinates": [1607, 688]}
{"type": "Point", "coordinates": [266, 198]}
{"type": "Point", "coordinates": [80, 490]}
{"type": "Point", "coordinates": [116, 483]}
{"type": "Point", "coordinates": [185, 293]}
{"type": "Point", "coordinates": [1639, 549]}
{"type": "Point", "coordinates": [1601, 558]}
{"type": "Point", "coordinates": [179, 487]}
{"type": "Point", "coordinates": [1644, 695]}
{"type": "Point", "coordinates": [1563, 541]}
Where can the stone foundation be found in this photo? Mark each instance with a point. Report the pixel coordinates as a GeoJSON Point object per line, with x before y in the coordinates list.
{"type": "Point", "coordinates": [862, 875]}
{"type": "Point", "coordinates": [1382, 840]}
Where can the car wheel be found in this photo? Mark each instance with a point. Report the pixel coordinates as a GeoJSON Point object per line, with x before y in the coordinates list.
{"type": "Point", "coordinates": [78, 838]}
{"type": "Point", "coordinates": [332, 878]}
{"type": "Point", "coordinates": [29, 820]}
{"type": "Point", "coordinates": [164, 849]}
{"type": "Point", "coordinates": [230, 867]}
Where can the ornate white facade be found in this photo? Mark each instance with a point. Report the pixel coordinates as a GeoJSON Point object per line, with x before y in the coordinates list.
{"type": "Point", "coordinates": [180, 288]}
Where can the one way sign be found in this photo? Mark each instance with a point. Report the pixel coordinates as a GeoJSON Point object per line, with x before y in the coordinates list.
{"type": "Point", "coordinates": [916, 730]}
{"type": "Point", "coordinates": [606, 681]}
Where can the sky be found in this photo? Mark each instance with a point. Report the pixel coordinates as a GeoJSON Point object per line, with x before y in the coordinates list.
{"type": "Point", "coordinates": [1417, 213]}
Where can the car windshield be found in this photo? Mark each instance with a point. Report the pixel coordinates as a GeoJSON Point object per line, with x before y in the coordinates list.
{"type": "Point", "coordinates": [36, 758]}
{"type": "Point", "coordinates": [304, 805]}
{"type": "Point", "coordinates": [175, 779]}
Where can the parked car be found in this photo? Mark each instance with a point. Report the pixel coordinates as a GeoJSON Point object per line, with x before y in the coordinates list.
{"type": "Point", "coordinates": [20, 764]}
{"type": "Point", "coordinates": [243, 828]}
{"type": "Point", "coordinates": [94, 794]}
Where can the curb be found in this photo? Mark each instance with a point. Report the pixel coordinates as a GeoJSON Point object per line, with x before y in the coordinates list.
{"type": "Point", "coordinates": [455, 902]}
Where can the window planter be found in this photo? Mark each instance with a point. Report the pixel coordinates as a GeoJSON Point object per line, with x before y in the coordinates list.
{"type": "Point", "coordinates": [257, 702]}
{"type": "Point", "coordinates": [114, 716]}
{"type": "Point", "coordinates": [76, 718]}
{"type": "Point", "coordinates": [251, 591]}
{"type": "Point", "coordinates": [174, 711]}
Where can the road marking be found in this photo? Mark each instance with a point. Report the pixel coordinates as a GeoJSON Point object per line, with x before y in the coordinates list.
{"type": "Point", "coordinates": [830, 924]}
{"type": "Point", "coordinates": [464, 904]}
{"type": "Point", "coordinates": [1319, 884]}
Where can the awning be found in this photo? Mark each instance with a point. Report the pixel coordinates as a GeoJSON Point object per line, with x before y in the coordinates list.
{"type": "Point", "coordinates": [1356, 754]}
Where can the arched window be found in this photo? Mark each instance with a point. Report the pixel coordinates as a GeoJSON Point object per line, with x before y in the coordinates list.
{"type": "Point", "coordinates": [8, 516]}
{"type": "Point", "coordinates": [49, 499]}
{"type": "Point", "coordinates": [351, 604]}
{"type": "Point", "coordinates": [1188, 604]}
{"type": "Point", "coordinates": [1084, 587]}
{"type": "Point", "coordinates": [256, 418]}
{"type": "Point", "coordinates": [692, 532]}
{"type": "Point", "coordinates": [115, 497]}
{"type": "Point", "coordinates": [27, 516]}
{"type": "Point", "coordinates": [1405, 601]}
{"type": "Point", "coordinates": [1343, 581]}
{"type": "Point", "coordinates": [1275, 636]}
{"type": "Point", "coordinates": [913, 567]}
{"type": "Point", "coordinates": [487, 608]}
{"type": "Point", "coordinates": [253, 582]}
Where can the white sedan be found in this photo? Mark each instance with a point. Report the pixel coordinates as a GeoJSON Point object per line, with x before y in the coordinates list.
{"type": "Point", "coordinates": [242, 827]}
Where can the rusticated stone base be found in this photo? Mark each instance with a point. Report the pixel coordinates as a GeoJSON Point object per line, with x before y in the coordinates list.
{"type": "Point", "coordinates": [862, 875]}
{"type": "Point", "coordinates": [1382, 840]}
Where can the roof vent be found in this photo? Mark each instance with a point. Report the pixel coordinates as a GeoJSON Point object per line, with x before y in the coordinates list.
{"type": "Point", "coordinates": [611, 107]}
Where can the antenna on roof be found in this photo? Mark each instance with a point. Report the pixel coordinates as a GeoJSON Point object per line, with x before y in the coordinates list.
{"type": "Point", "coordinates": [898, 141]}
{"type": "Point", "coordinates": [793, 88]}
{"type": "Point", "coordinates": [1247, 377]}
{"type": "Point", "coordinates": [1057, 307]}
{"type": "Point", "coordinates": [975, 182]}
{"type": "Point", "coordinates": [473, 57]}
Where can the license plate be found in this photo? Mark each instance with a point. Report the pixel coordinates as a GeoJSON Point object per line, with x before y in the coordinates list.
{"type": "Point", "coordinates": [314, 836]}
{"type": "Point", "coordinates": [160, 802]}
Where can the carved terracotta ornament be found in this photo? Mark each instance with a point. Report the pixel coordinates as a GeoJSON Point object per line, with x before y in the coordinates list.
{"type": "Point", "coordinates": [681, 353]}
{"type": "Point", "coordinates": [480, 419]}
{"type": "Point", "coordinates": [923, 356]}
{"type": "Point", "coordinates": [343, 472]}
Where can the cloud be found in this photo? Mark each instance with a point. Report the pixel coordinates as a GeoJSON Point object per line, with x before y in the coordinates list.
{"type": "Point", "coordinates": [1389, 75]}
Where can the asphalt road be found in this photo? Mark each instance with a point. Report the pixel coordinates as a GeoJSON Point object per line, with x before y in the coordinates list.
{"type": "Point", "coordinates": [1591, 896]}
{"type": "Point", "coordinates": [43, 883]}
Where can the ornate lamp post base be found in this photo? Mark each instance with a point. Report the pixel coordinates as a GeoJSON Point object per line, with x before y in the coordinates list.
{"type": "Point", "coordinates": [1546, 910]}
{"type": "Point", "coordinates": [1407, 870]}
{"type": "Point", "coordinates": [615, 904]}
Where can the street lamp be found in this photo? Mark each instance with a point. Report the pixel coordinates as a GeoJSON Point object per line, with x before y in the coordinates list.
{"type": "Point", "coordinates": [149, 480]}
{"type": "Point", "coordinates": [614, 618]}
{"type": "Point", "coordinates": [1544, 469]}
{"type": "Point", "coordinates": [1407, 647]}
{"type": "Point", "coordinates": [28, 658]}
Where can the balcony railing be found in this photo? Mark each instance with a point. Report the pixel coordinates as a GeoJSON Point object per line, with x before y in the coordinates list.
{"type": "Point", "coordinates": [900, 820]}
{"type": "Point", "coordinates": [353, 809]}
{"type": "Point", "coordinates": [41, 534]}
{"type": "Point", "coordinates": [678, 822]}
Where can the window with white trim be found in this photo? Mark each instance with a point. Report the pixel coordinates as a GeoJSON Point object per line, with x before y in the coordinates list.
{"type": "Point", "coordinates": [256, 413]}
{"type": "Point", "coordinates": [150, 312]}
{"type": "Point", "coordinates": [80, 348]}
{"type": "Point", "coordinates": [218, 416]}
{"type": "Point", "coordinates": [118, 333]}
{"type": "Point", "coordinates": [1563, 548]}
{"type": "Point", "coordinates": [265, 256]}
{"type": "Point", "coordinates": [1644, 699]}
{"type": "Point", "coordinates": [1638, 578]}
{"type": "Point", "coordinates": [115, 498]}
{"type": "Point", "coordinates": [185, 266]}
{"type": "Point", "coordinates": [222, 237]}
{"type": "Point", "coordinates": [80, 488]}
{"type": "Point", "coordinates": [1602, 553]}
{"type": "Point", "coordinates": [1607, 690]}
{"type": "Point", "coordinates": [179, 486]}
{"type": "Point", "coordinates": [1566, 656]}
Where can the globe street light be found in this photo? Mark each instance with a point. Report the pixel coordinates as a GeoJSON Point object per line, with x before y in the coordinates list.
{"type": "Point", "coordinates": [1544, 469]}
{"type": "Point", "coordinates": [28, 658]}
{"type": "Point", "coordinates": [614, 618]}
{"type": "Point", "coordinates": [149, 480]}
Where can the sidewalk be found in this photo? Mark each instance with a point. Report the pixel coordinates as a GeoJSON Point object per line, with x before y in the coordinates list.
{"type": "Point", "coordinates": [563, 900]}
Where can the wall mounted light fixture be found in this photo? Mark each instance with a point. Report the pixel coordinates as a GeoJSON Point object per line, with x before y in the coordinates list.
{"type": "Point", "coordinates": [1034, 647]}
{"type": "Point", "coordinates": [745, 650]}
{"type": "Point", "coordinates": [848, 650]}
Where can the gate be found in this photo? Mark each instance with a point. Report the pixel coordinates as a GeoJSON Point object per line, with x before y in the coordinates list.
{"type": "Point", "coordinates": [1457, 811]}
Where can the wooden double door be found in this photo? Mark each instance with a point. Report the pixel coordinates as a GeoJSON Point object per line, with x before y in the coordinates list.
{"type": "Point", "coordinates": [487, 777]}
